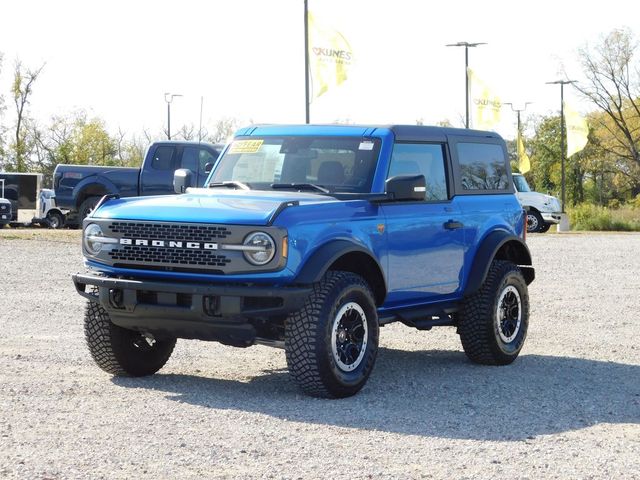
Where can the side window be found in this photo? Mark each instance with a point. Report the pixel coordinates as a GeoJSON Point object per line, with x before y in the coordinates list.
{"type": "Point", "coordinates": [204, 157]}
{"type": "Point", "coordinates": [483, 166]}
{"type": "Point", "coordinates": [163, 158]}
{"type": "Point", "coordinates": [421, 158]}
{"type": "Point", "coordinates": [190, 158]}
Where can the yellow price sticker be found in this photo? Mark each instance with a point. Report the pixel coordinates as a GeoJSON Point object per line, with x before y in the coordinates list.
{"type": "Point", "coordinates": [245, 146]}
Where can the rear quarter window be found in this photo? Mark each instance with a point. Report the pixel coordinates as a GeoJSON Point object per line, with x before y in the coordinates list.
{"type": "Point", "coordinates": [482, 166]}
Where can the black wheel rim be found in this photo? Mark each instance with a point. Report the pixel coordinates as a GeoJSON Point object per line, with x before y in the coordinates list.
{"type": "Point", "coordinates": [349, 337]}
{"type": "Point", "coordinates": [509, 314]}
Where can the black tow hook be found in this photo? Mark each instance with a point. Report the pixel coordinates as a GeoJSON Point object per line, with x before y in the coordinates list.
{"type": "Point", "coordinates": [116, 298]}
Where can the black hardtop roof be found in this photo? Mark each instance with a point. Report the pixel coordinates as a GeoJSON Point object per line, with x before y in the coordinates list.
{"type": "Point", "coordinates": [189, 142]}
{"type": "Point", "coordinates": [401, 132]}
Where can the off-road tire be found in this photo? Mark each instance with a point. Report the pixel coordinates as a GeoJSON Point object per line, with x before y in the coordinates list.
{"type": "Point", "coordinates": [86, 207]}
{"type": "Point", "coordinates": [534, 221]}
{"type": "Point", "coordinates": [308, 337]}
{"type": "Point", "coordinates": [56, 220]}
{"type": "Point", "coordinates": [479, 323]}
{"type": "Point", "coordinates": [120, 351]}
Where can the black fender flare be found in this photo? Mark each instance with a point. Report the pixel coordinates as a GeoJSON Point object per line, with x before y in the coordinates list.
{"type": "Point", "coordinates": [503, 245]}
{"type": "Point", "coordinates": [326, 255]}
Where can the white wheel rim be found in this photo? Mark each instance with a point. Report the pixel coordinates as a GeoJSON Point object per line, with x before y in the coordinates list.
{"type": "Point", "coordinates": [347, 348]}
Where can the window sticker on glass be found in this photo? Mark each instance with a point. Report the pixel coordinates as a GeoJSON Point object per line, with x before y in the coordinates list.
{"type": "Point", "coordinates": [245, 146]}
{"type": "Point", "coordinates": [366, 145]}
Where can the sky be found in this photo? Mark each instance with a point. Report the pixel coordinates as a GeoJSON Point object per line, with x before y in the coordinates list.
{"type": "Point", "coordinates": [245, 58]}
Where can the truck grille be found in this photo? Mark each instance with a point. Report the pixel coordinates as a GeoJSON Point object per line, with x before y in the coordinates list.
{"type": "Point", "coordinates": [181, 247]}
{"type": "Point", "coordinates": [182, 256]}
{"type": "Point", "coordinates": [188, 233]}
{"type": "Point", "coordinates": [4, 208]}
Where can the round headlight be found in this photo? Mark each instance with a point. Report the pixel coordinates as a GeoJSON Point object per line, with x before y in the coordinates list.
{"type": "Point", "coordinates": [92, 238]}
{"type": "Point", "coordinates": [260, 248]}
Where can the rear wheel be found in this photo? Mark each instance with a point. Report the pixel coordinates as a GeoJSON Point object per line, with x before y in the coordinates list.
{"type": "Point", "coordinates": [120, 351]}
{"type": "Point", "coordinates": [332, 342]}
{"type": "Point", "coordinates": [56, 220]}
{"type": "Point", "coordinates": [493, 321]}
{"type": "Point", "coordinates": [86, 207]}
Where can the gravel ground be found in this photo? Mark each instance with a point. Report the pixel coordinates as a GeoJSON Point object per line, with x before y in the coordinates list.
{"type": "Point", "coordinates": [569, 407]}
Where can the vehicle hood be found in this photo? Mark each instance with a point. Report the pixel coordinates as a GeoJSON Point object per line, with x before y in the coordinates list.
{"type": "Point", "coordinates": [542, 202]}
{"type": "Point", "coordinates": [203, 205]}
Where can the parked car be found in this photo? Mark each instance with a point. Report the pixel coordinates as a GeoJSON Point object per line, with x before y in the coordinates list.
{"type": "Point", "coordinates": [78, 188]}
{"type": "Point", "coordinates": [310, 238]}
{"type": "Point", "coordinates": [50, 215]}
{"type": "Point", "coordinates": [5, 212]}
{"type": "Point", "coordinates": [542, 210]}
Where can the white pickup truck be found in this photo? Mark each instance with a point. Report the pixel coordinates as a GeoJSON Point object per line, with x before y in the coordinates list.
{"type": "Point", "coordinates": [543, 210]}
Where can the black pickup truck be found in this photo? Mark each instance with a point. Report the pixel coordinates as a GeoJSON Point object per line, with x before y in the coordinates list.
{"type": "Point", "coordinates": [78, 188]}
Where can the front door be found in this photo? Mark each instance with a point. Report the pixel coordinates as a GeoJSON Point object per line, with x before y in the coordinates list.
{"type": "Point", "coordinates": [425, 239]}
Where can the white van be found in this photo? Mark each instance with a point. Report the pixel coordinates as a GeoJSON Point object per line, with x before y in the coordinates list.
{"type": "Point", "coordinates": [543, 210]}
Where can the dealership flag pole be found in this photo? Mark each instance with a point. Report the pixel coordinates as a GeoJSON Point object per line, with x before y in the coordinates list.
{"type": "Point", "coordinates": [306, 61]}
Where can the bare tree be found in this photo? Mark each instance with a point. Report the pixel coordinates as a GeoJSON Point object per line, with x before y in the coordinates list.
{"type": "Point", "coordinates": [223, 129]}
{"type": "Point", "coordinates": [612, 84]}
{"type": "Point", "coordinates": [21, 90]}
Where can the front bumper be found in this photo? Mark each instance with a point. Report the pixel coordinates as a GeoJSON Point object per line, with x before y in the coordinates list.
{"type": "Point", "coordinates": [190, 310]}
{"type": "Point", "coordinates": [551, 217]}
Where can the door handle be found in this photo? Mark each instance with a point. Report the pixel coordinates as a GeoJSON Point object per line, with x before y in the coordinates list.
{"type": "Point", "coordinates": [452, 225]}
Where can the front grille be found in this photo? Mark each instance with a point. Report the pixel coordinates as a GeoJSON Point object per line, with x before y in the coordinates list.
{"type": "Point", "coordinates": [4, 208]}
{"type": "Point", "coordinates": [181, 256]}
{"type": "Point", "coordinates": [188, 233]}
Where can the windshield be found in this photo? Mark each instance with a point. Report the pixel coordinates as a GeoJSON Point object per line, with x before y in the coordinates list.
{"type": "Point", "coordinates": [521, 183]}
{"type": "Point", "coordinates": [314, 164]}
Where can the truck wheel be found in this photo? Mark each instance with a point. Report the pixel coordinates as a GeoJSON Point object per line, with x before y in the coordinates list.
{"type": "Point", "coordinates": [332, 342]}
{"type": "Point", "coordinates": [55, 220]}
{"type": "Point", "coordinates": [86, 207]}
{"type": "Point", "coordinates": [534, 221]}
{"type": "Point", "coordinates": [493, 321]}
{"type": "Point", "coordinates": [544, 227]}
{"type": "Point", "coordinates": [122, 352]}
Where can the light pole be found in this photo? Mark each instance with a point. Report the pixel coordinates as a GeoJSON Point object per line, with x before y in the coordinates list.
{"type": "Point", "coordinates": [562, 83]}
{"type": "Point", "coordinates": [518, 110]}
{"type": "Point", "coordinates": [168, 97]}
{"type": "Point", "coordinates": [466, 46]}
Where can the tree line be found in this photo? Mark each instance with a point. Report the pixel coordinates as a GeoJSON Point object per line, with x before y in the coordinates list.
{"type": "Point", "coordinates": [28, 145]}
{"type": "Point", "coordinates": [606, 172]}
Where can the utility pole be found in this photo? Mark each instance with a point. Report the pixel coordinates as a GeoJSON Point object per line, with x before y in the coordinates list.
{"type": "Point", "coordinates": [466, 46]}
{"type": "Point", "coordinates": [563, 152]}
{"type": "Point", "coordinates": [168, 97]}
{"type": "Point", "coordinates": [518, 111]}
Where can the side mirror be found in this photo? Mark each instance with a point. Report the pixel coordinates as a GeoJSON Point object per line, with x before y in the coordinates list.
{"type": "Point", "coordinates": [208, 167]}
{"type": "Point", "coordinates": [182, 179]}
{"type": "Point", "coordinates": [406, 187]}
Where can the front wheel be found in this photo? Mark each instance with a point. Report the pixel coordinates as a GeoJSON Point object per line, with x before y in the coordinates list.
{"type": "Point", "coordinates": [534, 221]}
{"type": "Point", "coordinates": [493, 321]}
{"type": "Point", "coordinates": [332, 342]}
{"type": "Point", "coordinates": [545, 227]}
{"type": "Point", "coordinates": [120, 351]}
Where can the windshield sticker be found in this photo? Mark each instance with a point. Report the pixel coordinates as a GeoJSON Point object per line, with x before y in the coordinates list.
{"type": "Point", "coordinates": [366, 146]}
{"type": "Point", "coordinates": [245, 146]}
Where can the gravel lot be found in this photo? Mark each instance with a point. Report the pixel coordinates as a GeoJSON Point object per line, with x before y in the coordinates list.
{"type": "Point", "coordinates": [569, 407]}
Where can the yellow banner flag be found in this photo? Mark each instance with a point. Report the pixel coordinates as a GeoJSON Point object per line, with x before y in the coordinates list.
{"type": "Point", "coordinates": [330, 57]}
{"type": "Point", "coordinates": [485, 105]}
{"type": "Point", "coordinates": [577, 130]}
{"type": "Point", "coordinates": [524, 165]}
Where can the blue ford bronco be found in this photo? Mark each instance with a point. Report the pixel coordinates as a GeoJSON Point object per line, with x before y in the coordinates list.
{"type": "Point", "coordinates": [309, 238]}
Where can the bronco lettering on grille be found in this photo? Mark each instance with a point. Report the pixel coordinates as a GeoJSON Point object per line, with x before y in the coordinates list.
{"type": "Point", "coordinates": [169, 244]}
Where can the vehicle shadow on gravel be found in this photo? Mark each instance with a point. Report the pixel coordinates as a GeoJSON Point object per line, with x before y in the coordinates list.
{"type": "Point", "coordinates": [437, 393]}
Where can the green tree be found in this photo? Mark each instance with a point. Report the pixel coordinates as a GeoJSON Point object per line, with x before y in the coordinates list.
{"type": "Point", "coordinates": [613, 85]}
{"type": "Point", "coordinates": [21, 90]}
{"type": "Point", "coordinates": [91, 143]}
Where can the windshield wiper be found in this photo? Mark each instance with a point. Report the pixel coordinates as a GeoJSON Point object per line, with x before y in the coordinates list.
{"type": "Point", "coordinates": [230, 184]}
{"type": "Point", "coordinates": [300, 186]}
